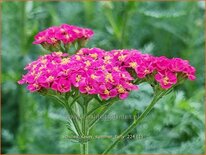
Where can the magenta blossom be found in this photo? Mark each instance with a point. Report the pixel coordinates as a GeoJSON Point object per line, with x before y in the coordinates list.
{"type": "Point", "coordinates": [166, 79]}
{"type": "Point", "coordinates": [87, 70]}
{"type": "Point", "coordinates": [64, 33]}
{"type": "Point", "coordinates": [107, 74]}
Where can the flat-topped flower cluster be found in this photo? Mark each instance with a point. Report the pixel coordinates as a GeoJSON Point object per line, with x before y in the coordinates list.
{"type": "Point", "coordinates": [165, 71]}
{"type": "Point", "coordinates": [63, 34]}
{"type": "Point", "coordinates": [104, 73]}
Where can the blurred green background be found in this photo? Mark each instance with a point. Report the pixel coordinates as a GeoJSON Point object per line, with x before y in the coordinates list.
{"type": "Point", "coordinates": [35, 124]}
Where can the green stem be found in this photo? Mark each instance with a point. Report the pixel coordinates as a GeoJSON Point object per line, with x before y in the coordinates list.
{"type": "Point", "coordinates": [57, 98]}
{"type": "Point", "coordinates": [104, 110]}
{"type": "Point", "coordinates": [94, 109]}
{"type": "Point", "coordinates": [74, 120]}
{"type": "Point", "coordinates": [84, 148]}
{"type": "Point", "coordinates": [69, 110]}
{"type": "Point", "coordinates": [84, 130]}
{"type": "Point", "coordinates": [136, 121]}
{"type": "Point", "coordinates": [74, 100]}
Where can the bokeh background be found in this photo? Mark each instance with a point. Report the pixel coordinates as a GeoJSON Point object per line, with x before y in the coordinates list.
{"type": "Point", "coordinates": [35, 124]}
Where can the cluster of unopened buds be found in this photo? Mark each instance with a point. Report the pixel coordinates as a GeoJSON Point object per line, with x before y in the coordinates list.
{"type": "Point", "coordinates": [95, 71]}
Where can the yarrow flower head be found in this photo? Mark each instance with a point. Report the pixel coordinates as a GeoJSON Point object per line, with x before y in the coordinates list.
{"type": "Point", "coordinates": [90, 70]}
{"type": "Point", "coordinates": [103, 73]}
{"type": "Point", "coordinates": [53, 37]}
{"type": "Point", "coordinates": [167, 72]}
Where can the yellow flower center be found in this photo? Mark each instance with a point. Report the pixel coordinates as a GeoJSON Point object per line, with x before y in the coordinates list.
{"type": "Point", "coordinates": [107, 57]}
{"type": "Point", "coordinates": [50, 78]}
{"type": "Point", "coordinates": [34, 66]}
{"type": "Point", "coordinates": [121, 57]}
{"type": "Point", "coordinates": [58, 53]}
{"type": "Point", "coordinates": [93, 76]}
{"type": "Point", "coordinates": [94, 55]}
{"type": "Point", "coordinates": [109, 77]}
{"type": "Point", "coordinates": [53, 40]}
{"type": "Point", "coordinates": [37, 75]}
{"type": "Point", "coordinates": [120, 89]}
{"type": "Point", "coordinates": [88, 63]}
{"type": "Point", "coordinates": [43, 61]}
{"type": "Point", "coordinates": [115, 53]}
{"type": "Point", "coordinates": [80, 52]}
{"type": "Point", "coordinates": [103, 67]}
{"type": "Point", "coordinates": [33, 73]}
{"type": "Point", "coordinates": [78, 78]}
{"type": "Point", "coordinates": [78, 57]}
{"type": "Point", "coordinates": [146, 71]}
{"type": "Point", "coordinates": [166, 80]}
{"type": "Point", "coordinates": [88, 88]}
{"type": "Point", "coordinates": [106, 92]}
{"type": "Point", "coordinates": [116, 69]}
{"type": "Point", "coordinates": [65, 61]}
{"type": "Point", "coordinates": [42, 67]}
{"type": "Point", "coordinates": [133, 64]}
{"type": "Point", "coordinates": [107, 61]}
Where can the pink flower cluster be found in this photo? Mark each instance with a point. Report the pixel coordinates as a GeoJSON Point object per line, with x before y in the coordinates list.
{"type": "Point", "coordinates": [92, 71]}
{"type": "Point", "coordinates": [63, 33]}
{"type": "Point", "coordinates": [95, 71]}
{"type": "Point", "coordinates": [165, 70]}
